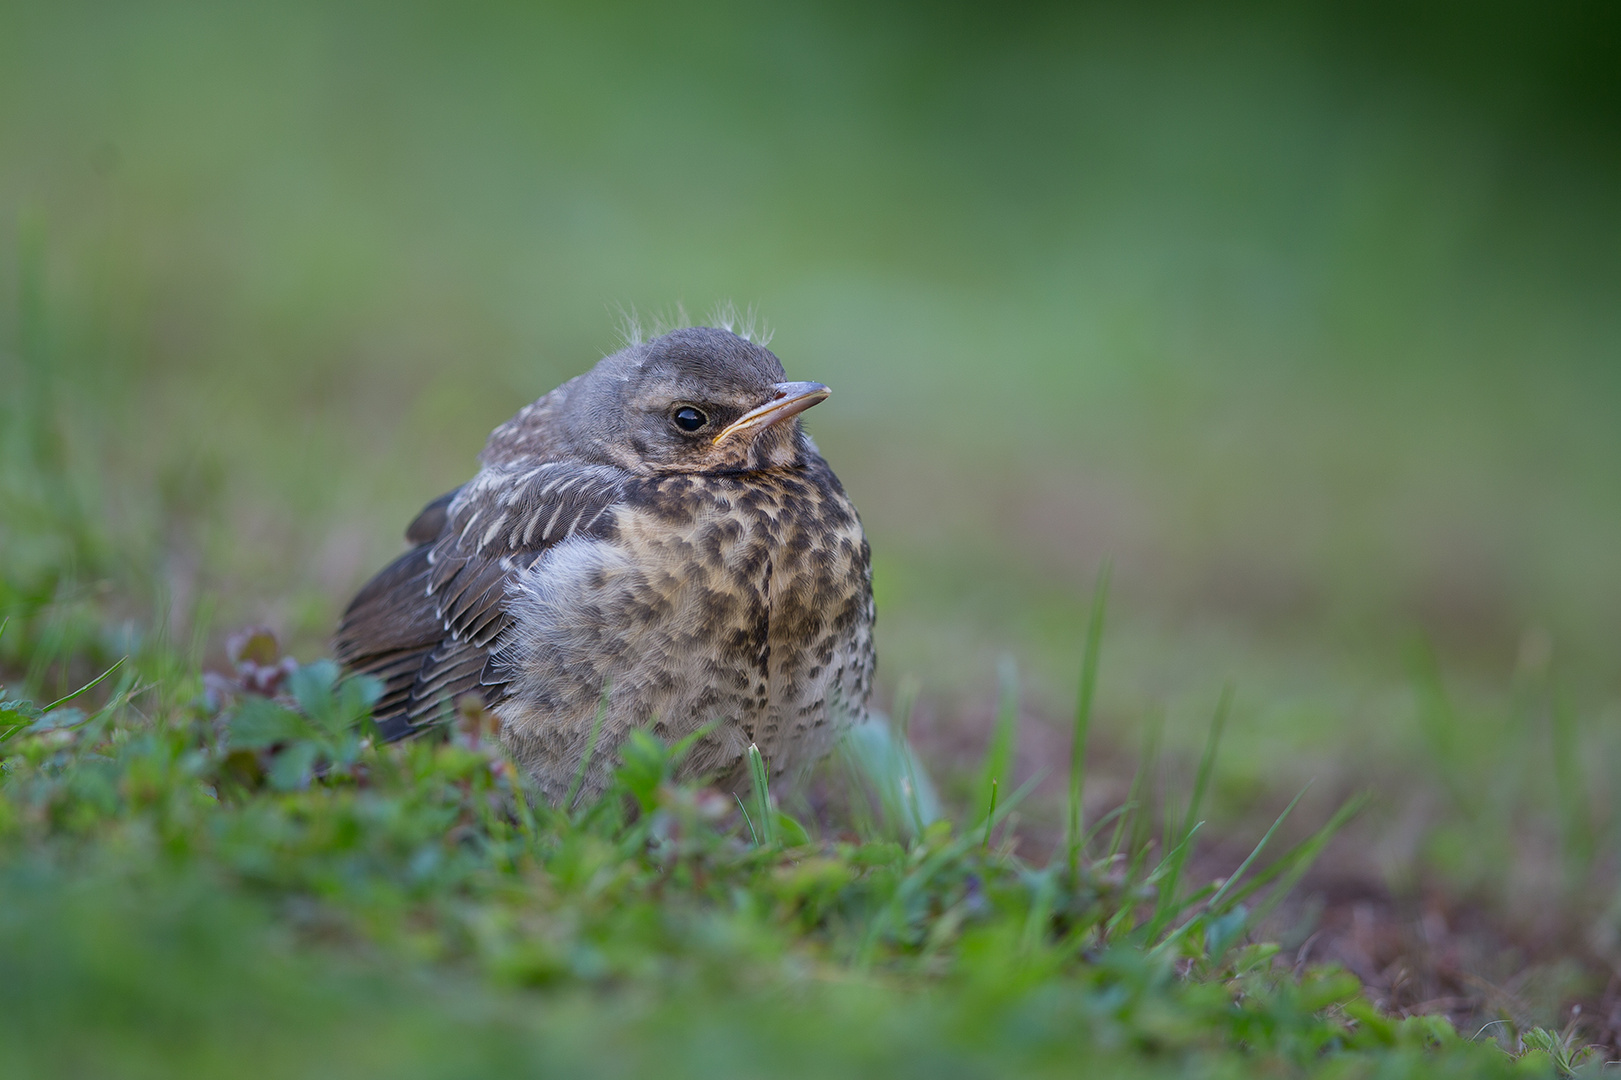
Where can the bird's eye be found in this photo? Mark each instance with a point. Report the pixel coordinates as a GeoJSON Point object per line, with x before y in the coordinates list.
{"type": "Point", "coordinates": [689, 419]}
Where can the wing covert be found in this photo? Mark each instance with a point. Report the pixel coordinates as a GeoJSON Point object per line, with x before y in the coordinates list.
{"type": "Point", "coordinates": [430, 624]}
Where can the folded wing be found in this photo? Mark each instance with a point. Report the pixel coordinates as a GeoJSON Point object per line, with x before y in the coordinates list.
{"type": "Point", "coordinates": [431, 624]}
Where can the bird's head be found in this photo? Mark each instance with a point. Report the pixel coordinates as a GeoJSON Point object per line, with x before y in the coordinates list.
{"type": "Point", "coordinates": [694, 400]}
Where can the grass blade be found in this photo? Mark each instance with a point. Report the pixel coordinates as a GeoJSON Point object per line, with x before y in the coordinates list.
{"type": "Point", "coordinates": [998, 768]}
{"type": "Point", "coordinates": [1005, 807]}
{"type": "Point", "coordinates": [1227, 886]}
{"type": "Point", "coordinates": [905, 702]}
{"type": "Point", "coordinates": [1207, 763]}
{"type": "Point", "coordinates": [746, 819]}
{"type": "Point", "coordinates": [858, 781]}
{"type": "Point", "coordinates": [1169, 898]}
{"type": "Point", "coordinates": [69, 697]}
{"type": "Point", "coordinates": [767, 834]}
{"type": "Point", "coordinates": [1083, 718]}
{"type": "Point", "coordinates": [1298, 859]}
{"type": "Point", "coordinates": [1117, 815]}
{"type": "Point", "coordinates": [1134, 796]}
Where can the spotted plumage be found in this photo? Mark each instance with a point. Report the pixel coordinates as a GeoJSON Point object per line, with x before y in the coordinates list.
{"type": "Point", "coordinates": [611, 557]}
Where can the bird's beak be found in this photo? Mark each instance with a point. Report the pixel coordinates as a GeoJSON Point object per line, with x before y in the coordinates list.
{"type": "Point", "coordinates": [788, 399]}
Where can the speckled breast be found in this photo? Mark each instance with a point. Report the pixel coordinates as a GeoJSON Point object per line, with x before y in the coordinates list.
{"type": "Point", "coordinates": [739, 601]}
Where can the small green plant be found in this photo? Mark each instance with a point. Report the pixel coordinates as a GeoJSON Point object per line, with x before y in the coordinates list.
{"type": "Point", "coordinates": [764, 833]}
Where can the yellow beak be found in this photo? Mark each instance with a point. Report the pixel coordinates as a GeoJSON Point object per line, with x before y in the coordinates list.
{"type": "Point", "coordinates": [788, 400]}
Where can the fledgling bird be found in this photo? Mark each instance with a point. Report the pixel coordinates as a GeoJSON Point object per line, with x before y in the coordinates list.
{"type": "Point", "coordinates": [656, 540]}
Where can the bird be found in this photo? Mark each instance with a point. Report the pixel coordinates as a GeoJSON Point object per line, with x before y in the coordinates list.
{"type": "Point", "coordinates": [656, 543]}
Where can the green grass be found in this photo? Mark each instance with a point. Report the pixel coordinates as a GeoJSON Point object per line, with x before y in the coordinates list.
{"type": "Point", "coordinates": [247, 882]}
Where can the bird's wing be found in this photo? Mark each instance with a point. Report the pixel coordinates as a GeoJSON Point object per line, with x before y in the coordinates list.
{"type": "Point", "coordinates": [427, 525]}
{"type": "Point", "coordinates": [430, 624]}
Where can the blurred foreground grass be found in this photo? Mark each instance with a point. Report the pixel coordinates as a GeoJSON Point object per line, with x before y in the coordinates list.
{"type": "Point", "coordinates": [1304, 318]}
{"type": "Point", "coordinates": [245, 883]}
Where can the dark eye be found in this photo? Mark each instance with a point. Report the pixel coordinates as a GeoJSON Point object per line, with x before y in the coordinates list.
{"type": "Point", "coordinates": [689, 419]}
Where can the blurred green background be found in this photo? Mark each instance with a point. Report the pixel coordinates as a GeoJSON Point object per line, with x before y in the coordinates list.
{"type": "Point", "coordinates": [1307, 317]}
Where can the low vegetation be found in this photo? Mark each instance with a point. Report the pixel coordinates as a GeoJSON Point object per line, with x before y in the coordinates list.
{"type": "Point", "coordinates": [200, 874]}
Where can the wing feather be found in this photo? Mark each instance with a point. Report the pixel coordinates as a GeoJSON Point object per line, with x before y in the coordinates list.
{"type": "Point", "coordinates": [430, 625]}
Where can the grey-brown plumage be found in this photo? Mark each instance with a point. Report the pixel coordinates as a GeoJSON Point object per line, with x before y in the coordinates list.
{"type": "Point", "coordinates": [659, 530]}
